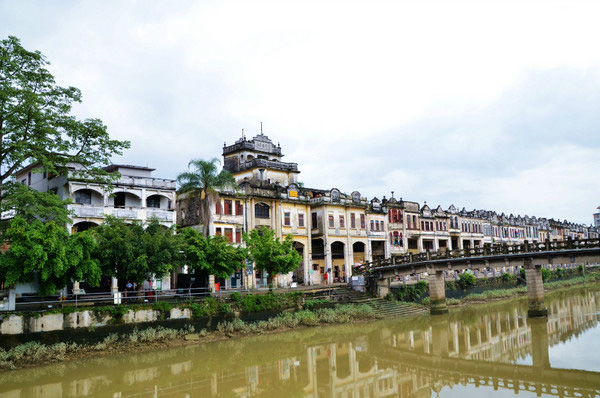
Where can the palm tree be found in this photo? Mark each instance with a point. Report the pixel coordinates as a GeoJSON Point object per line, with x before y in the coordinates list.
{"type": "Point", "coordinates": [204, 182]}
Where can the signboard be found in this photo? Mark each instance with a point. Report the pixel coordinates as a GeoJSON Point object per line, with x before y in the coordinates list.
{"type": "Point", "coordinates": [293, 194]}
{"type": "Point", "coordinates": [249, 267]}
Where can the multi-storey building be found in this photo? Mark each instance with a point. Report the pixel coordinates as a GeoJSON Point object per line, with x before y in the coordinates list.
{"type": "Point", "coordinates": [135, 196]}
{"type": "Point", "coordinates": [333, 231]}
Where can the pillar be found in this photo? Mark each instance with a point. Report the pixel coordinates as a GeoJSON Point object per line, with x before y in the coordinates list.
{"type": "Point", "coordinates": [383, 287]}
{"type": "Point", "coordinates": [437, 292]}
{"type": "Point", "coordinates": [535, 289]}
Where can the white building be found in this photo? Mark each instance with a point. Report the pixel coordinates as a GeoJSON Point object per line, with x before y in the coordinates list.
{"type": "Point", "coordinates": [136, 195]}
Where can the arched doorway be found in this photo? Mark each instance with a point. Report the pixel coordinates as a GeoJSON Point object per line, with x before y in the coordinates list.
{"type": "Point", "coordinates": [358, 248]}
{"type": "Point", "coordinates": [338, 261]}
{"type": "Point", "coordinates": [298, 275]}
{"type": "Point", "coordinates": [83, 226]}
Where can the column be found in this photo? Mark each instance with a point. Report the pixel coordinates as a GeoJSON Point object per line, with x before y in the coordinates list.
{"type": "Point", "coordinates": [437, 292]}
{"type": "Point", "coordinates": [328, 262]}
{"type": "Point", "coordinates": [349, 260]}
{"type": "Point", "coordinates": [535, 289]}
{"type": "Point", "coordinates": [383, 287]}
{"type": "Point", "coordinates": [306, 262]}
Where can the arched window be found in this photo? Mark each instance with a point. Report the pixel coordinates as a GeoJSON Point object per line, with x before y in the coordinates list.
{"type": "Point", "coordinates": [261, 210]}
{"type": "Point", "coordinates": [153, 201]}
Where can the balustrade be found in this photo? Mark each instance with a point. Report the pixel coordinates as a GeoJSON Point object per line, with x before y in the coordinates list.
{"type": "Point", "coordinates": [493, 250]}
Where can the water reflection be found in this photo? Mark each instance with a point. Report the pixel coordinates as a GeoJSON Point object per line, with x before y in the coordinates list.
{"type": "Point", "coordinates": [492, 348]}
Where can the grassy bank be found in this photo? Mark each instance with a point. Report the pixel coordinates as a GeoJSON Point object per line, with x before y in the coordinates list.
{"type": "Point", "coordinates": [34, 353]}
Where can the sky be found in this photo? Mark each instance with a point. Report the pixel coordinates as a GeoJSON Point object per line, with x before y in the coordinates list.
{"type": "Point", "coordinates": [482, 104]}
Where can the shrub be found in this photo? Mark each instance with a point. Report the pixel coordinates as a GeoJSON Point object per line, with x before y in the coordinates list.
{"type": "Point", "coordinates": [545, 274]}
{"type": "Point", "coordinates": [467, 280]}
{"type": "Point", "coordinates": [506, 277]}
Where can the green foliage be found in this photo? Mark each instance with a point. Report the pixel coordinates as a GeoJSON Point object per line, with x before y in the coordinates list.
{"type": "Point", "coordinates": [309, 304]}
{"type": "Point", "coordinates": [36, 121]}
{"type": "Point", "coordinates": [466, 280]}
{"type": "Point", "coordinates": [204, 182]}
{"type": "Point", "coordinates": [546, 274]}
{"type": "Point", "coordinates": [522, 273]}
{"type": "Point", "coordinates": [46, 251]}
{"type": "Point", "coordinates": [130, 252]}
{"type": "Point", "coordinates": [162, 306]}
{"type": "Point", "coordinates": [34, 205]}
{"type": "Point", "coordinates": [270, 254]}
{"type": "Point", "coordinates": [581, 269]}
{"type": "Point", "coordinates": [559, 273]}
{"type": "Point", "coordinates": [507, 278]}
{"type": "Point", "coordinates": [412, 293]}
{"type": "Point", "coordinates": [212, 254]}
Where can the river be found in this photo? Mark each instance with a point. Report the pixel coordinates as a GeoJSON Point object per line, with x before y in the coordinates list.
{"type": "Point", "coordinates": [484, 350]}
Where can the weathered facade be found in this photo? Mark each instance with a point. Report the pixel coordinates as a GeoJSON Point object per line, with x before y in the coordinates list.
{"type": "Point", "coordinates": [334, 231]}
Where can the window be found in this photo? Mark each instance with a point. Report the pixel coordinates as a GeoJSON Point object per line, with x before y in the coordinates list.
{"type": "Point", "coordinates": [218, 231]}
{"type": "Point", "coordinates": [120, 199]}
{"type": "Point", "coordinates": [261, 210]}
{"type": "Point", "coordinates": [314, 220]}
{"type": "Point", "coordinates": [331, 222]}
{"type": "Point", "coordinates": [229, 235]}
{"type": "Point", "coordinates": [239, 208]}
{"type": "Point", "coordinates": [372, 225]}
{"type": "Point", "coordinates": [301, 220]}
{"type": "Point", "coordinates": [238, 235]}
{"type": "Point", "coordinates": [218, 207]}
{"type": "Point", "coordinates": [342, 222]}
{"type": "Point", "coordinates": [352, 220]}
{"type": "Point", "coordinates": [83, 197]}
{"type": "Point", "coordinates": [286, 219]}
{"type": "Point", "coordinates": [228, 205]}
{"type": "Point", "coordinates": [362, 222]}
{"type": "Point", "coordinates": [153, 201]}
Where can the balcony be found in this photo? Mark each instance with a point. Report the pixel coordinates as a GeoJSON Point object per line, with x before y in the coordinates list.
{"type": "Point", "coordinates": [87, 211]}
{"type": "Point", "coordinates": [157, 183]}
{"type": "Point", "coordinates": [249, 145]}
{"type": "Point", "coordinates": [125, 213]}
{"type": "Point", "coordinates": [376, 234]}
{"type": "Point", "coordinates": [162, 215]}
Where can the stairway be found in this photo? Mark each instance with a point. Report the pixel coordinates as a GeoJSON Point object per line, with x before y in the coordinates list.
{"type": "Point", "coordinates": [383, 308]}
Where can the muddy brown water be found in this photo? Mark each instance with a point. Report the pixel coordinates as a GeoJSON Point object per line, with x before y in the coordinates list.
{"type": "Point", "coordinates": [484, 350]}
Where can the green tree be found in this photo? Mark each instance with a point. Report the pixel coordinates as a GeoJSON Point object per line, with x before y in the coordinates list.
{"type": "Point", "coordinates": [270, 254]}
{"type": "Point", "coordinates": [203, 184]}
{"type": "Point", "coordinates": [130, 252]}
{"type": "Point", "coordinates": [160, 245]}
{"type": "Point", "coordinates": [36, 124]}
{"type": "Point", "coordinates": [32, 205]}
{"type": "Point", "coordinates": [47, 251]}
{"type": "Point", "coordinates": [212, 254]}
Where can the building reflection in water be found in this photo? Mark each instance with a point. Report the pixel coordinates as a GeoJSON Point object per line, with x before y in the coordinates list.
{"type": "Point", "coordinates": [496, 347]}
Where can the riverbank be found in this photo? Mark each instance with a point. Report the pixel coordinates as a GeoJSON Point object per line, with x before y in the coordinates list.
{"type": "Point", "coordinates": [36, 354]}
{"type": "Point", "coordinates": [150, 339]}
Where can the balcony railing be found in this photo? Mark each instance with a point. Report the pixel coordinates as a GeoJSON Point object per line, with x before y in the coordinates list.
{"type": "Point", "coordinates": [162, 215]}
{"type": "Point", "coordinates": [146, 182]}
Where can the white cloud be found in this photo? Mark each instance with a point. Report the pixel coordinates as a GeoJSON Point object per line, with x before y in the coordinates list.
{"type": "Point", "coordinates": [388, 95]}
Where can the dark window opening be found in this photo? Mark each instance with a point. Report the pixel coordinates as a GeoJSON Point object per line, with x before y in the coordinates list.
{"type": "Point", "coordinates": [261, 210]}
